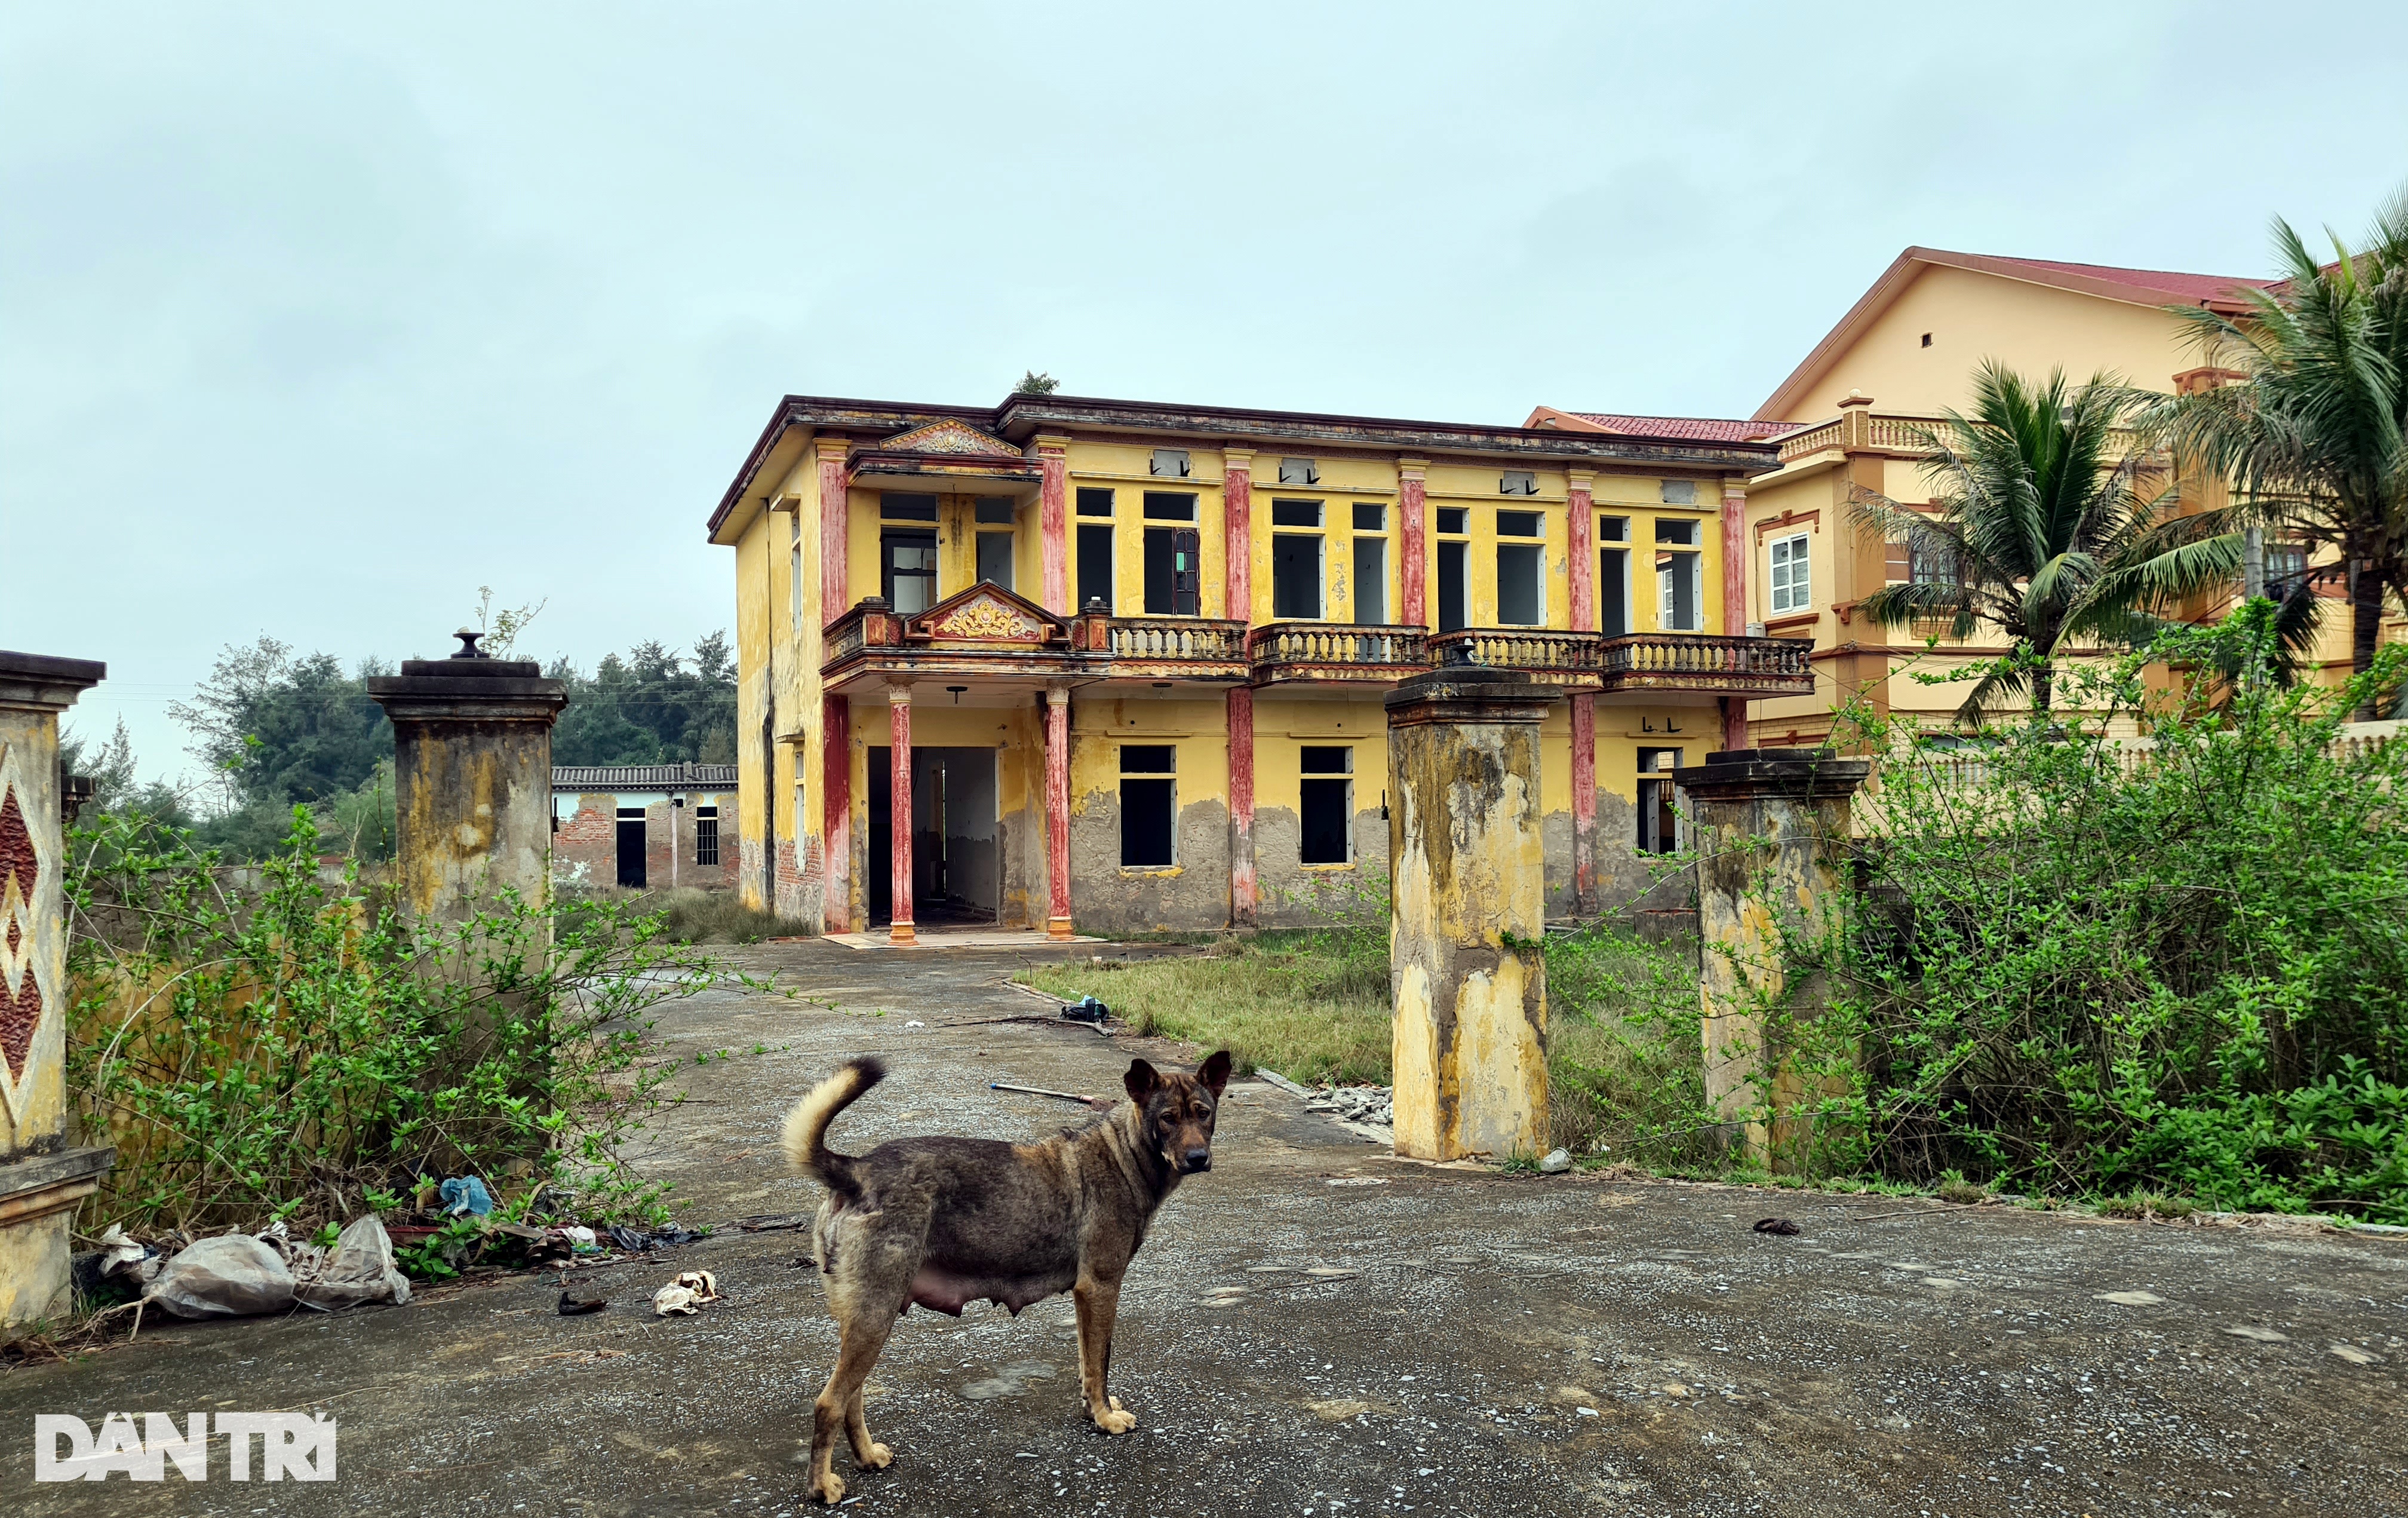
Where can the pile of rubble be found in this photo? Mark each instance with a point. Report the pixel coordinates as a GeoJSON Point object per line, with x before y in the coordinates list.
{"type": "Point", "coordinates": [1373, 1106]}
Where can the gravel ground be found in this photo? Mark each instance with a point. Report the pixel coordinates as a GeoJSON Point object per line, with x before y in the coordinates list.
{"type": "Point", "coordinates": [1315, 1329]}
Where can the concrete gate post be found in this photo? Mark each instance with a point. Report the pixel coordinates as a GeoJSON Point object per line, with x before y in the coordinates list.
{"type": "Point", "coordinates": [1772, 827]}
{"type": "Point", "coordinates": [41, 1177]}
{"type": "Point", "coordinates": [1469, 888]}
{"type": "Point", "coordinates": [472, 779]}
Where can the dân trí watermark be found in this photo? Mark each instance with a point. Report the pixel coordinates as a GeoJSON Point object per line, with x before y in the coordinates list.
{"type": "Point", "coordinates": [295, 1446]}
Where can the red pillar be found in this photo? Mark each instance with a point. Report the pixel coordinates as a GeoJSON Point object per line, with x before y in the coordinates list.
{"type": "Point", "coordinates": [899, 811]}
{"type": "Point", "coordinates": [1054, 522]}
{"type": "Point", "coordinates": [1411, 555]}
{"type": "Point", "coordinates": [1581, 519]}
{"type": "Point", "coordinates": [1242, 900]}
{"type": "Point", "coordinates": [1237, 534]}
{"type": "Point", "coordinates": [835, 813]}
{"type": "Point", "coordinates": [1584, 802]}
{"type": "Point", "coordinates": [1737, 550]}
{"type": "Point", "coordinates": [832, 603]}
{"type": "Point", "coordinates": [1058, 814]}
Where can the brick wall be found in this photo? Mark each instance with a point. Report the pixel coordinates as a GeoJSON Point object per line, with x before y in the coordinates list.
{"type": "Point", "coordinates": [585, 845]}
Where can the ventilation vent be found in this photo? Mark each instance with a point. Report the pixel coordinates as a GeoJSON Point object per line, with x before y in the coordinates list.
{"type": "Point", "coordinates": [1298, 471]}
{"type": "Point", "coordinates": [1680, 492]}
{"type": "Point", "coordinates": [1518, 482]}
{"type": "Point", "coordinates": [1171, 462]}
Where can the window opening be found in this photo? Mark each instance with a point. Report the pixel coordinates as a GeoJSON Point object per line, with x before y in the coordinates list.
{"type": "Point", "coordinates": [1148, 804]}
{"type": "Point", "coordinates": [1791, 580]}
{"type": "Point", "coordinates": [1325, 805]}
{"type": "Point", "coordinates": [910, 569]}
{"type": "Point", "coordinates": [1094, 566]}
{"type": "Point", "coordinates": [899, 507]}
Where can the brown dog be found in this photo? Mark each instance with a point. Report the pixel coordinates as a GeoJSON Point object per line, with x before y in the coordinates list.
{"type": "Point", "coordinates": [946, 1222]}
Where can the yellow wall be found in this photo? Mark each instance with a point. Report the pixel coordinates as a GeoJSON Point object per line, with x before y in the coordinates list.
{"type": "Point", "coordinates": [1973, 316]}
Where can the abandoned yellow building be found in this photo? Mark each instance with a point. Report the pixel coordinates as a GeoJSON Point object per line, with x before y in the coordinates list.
{"type": "Point", "coordinates": [1846, 421]}
{"type": "Point", "coordinates": [1121, 665]}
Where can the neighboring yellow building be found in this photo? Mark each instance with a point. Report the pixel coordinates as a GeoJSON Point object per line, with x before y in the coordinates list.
{"type": "Point", "coordinates": [1846, 420]}
{"type": "Point", "coordinates": [1123, 664]}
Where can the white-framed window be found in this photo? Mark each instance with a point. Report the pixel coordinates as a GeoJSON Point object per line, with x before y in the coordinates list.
{"type": "Point", "coordinates": [1791, 580]}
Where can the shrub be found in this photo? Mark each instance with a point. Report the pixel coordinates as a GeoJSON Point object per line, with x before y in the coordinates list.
{"type": "Point", "coordinates": [2098, 967]}
{"type": "Point", "coordinates": [297, 1049]}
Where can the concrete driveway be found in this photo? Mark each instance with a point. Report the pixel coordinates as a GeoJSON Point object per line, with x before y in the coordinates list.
{"type": "Point", "coordinates": [1471, 1343]}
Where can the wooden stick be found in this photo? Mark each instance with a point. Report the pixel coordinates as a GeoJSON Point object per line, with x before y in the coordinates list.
{"type": "Point", "coordinates": [1039, 1090]}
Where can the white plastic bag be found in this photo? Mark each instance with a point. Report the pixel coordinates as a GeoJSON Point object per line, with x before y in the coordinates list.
{"type": "Point", "coordinates": [232, 1277]}
{"type": "Point", "coordinates": [358, 1268]}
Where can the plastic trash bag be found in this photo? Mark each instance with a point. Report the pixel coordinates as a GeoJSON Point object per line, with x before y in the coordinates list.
{"type": "Point", "coordinates": [232, 1277]}
{"type": "Point", "coordinates": [357, 1269]}
{"type": "Point", "coordinates": [466, 1195]}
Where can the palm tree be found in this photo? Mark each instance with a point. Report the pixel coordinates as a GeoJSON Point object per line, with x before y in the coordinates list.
{"type": "Point", "coordinates": [2312, 443]}
{"type": "Point", "coordinates": [2043, 531]}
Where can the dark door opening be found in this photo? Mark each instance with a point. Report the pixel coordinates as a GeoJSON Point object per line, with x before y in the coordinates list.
{"type": "Point", "coordinates": [1172, 574]}
{"type": "Point", "coordinates": [631, 848]}
{"type": "Point", "coordinates": [1451, 617]}
{"type": "Point", "coordinates": [956, 841]}
{"type": "Point", "coordinates": [1660, 801]}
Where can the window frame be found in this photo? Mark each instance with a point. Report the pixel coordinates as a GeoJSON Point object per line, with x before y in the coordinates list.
{"type": "Point", "coordinates": [1168, 779]}
{"type": "Point", "coordinates": [1799, 585]}
{"type": "Point", "coordinates": [1315, 783]}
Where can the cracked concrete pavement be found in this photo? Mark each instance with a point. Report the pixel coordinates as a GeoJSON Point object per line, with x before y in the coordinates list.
{"type": "Point", "coordinates": [1316, 1329]}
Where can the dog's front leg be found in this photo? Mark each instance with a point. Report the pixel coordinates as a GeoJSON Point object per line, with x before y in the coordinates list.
{"type": "Point", "coordinates": [1098, 1303]}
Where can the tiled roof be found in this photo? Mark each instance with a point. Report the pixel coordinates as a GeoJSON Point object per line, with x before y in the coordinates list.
{"type": "Point", "coordinates": [583, 777]}
{"type": "Point", "coordinates": [2180, 286]}
{"type": "Point", "coordinates": [1712, 428]}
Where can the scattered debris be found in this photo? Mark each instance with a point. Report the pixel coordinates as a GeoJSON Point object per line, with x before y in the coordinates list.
{"type": "Point", "coordinates": [235, 1275]}
{"type": "Point", "coordinates": [357, 1269]}
{"type": "Point", "coordinates": [572, 1306]}
{"type": "Point", "coordinates": [2353, 1354]}
{"type": "Point", "coordinates": [1783, 1226]}
{"type": "Point", "coordinates": [1087, 1009]}
{"type": "Point", "coordinates": [2258, 1332]}
{"type": "Point", "coordinates": [687, 1294]}
{"type": "Point", "coordinates": [637, 1240]}
{"type": "Point", "coordinates": [1557, 1163]}
{"type": "Point", "coordinates": [465, 1196]}
{"type": "Point", "coordinates": [2130, 1299]}
{"type": "Point", "coordinates": [1039, 1090]}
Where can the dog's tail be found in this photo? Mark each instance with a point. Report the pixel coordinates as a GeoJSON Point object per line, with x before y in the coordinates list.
{"type": "Point", "coordinates": [806, 1126]}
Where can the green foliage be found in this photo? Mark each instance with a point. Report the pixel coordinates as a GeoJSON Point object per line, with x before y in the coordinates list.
{"type": "Point", "coordinates": [278, 729]}
{"type": "Point", "coordinates": [1033, 383]}
{"type": "Point", "coordinates": [655, 706]}
{"type": "Point", "coordinates": [297, 1049]}
{"type": "Point", "coordinates": [2085, 967]}
{"type": "Point", "coordinates": [1626, 1080]}
{"type": "Point", "coordinates": [110, 766]}
{"type": "Point", "coordinates": [2315, 441]}
{"type": "Point", "coordinates": [2046, 533]}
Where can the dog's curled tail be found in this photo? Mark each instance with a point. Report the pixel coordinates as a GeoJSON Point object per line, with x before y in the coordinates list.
{"type": "Point", "coordinates": [806, 1126]}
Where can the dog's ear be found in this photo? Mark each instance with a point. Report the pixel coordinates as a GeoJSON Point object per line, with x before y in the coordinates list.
{"type": "Point", "coordinates": [1214, 1072]}
{"type": "Point", "coordinates": [1140, 1081]}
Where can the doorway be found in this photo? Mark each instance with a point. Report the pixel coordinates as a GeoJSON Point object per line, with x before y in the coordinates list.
{"type": "Point", "coordinates": [956, 841]}
{"type": "Point", "coordinates": [631, 847]}
{"type": "Point", "coordinates": [1660, 828]}
{"type": "Point", "coordinates": [1451, 615]}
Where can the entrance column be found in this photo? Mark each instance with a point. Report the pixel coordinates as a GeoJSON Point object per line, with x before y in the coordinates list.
{"type": "Point", "coordinates": [1243, 898]}
{"type": "Point", "coordinates": [43, 1175]}
{"type": "Point", "coordinates": [1581, 536]}
{"type": "Point", "coordinates": [1412, 568]}
{"type": "Point", "coordinates": [835, 813]}
{"type": "Point", "coordinates": [1466, 971]}
{"type": "Point", "coordinates": [1057, 813]}
{"type": "Point", "coordinates": [1053, 521]}
{"type": "Point", "coordinates": [1736, 549]}
{"type": "Point", "coordinates": [898, 809]}
{"type": "Point", "coordinates": [1773, 833]}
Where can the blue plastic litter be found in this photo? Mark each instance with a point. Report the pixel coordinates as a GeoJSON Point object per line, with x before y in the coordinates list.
{"type": "Point", "coordinates": [466, 1195]}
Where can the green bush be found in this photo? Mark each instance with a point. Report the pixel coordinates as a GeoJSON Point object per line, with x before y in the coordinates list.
{"type": "Point", "coordinates": [298, 1049]}
{"type": "Point", "coordinates": [2080, 965]}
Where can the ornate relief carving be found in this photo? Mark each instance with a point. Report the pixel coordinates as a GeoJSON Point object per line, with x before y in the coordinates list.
{"type": "Point", "coordinates": [988, 618]}
{"type": "Point", "coordinates": [949, 437]}
{"type": "Point", "coordinates": [21, 943]}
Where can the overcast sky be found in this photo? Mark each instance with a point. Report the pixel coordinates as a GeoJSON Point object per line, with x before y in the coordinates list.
{"type": "Point", "coordinates": [315, 318]}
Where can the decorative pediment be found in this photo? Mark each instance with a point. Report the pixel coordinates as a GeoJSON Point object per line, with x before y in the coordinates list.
{"type": "Point", "coordinates": [987, 613]}
{"type": "Point", "coordinates": [949, 437]}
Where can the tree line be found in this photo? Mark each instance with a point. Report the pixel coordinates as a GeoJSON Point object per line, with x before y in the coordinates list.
{"type": "Point", "coordinates": [277, 728]}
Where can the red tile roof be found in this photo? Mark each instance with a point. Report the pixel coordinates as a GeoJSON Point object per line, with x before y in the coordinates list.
{"type": "Point", "coordinates": [1709, 428]}
{"type": "Point", "coordinates": [2180, 286]}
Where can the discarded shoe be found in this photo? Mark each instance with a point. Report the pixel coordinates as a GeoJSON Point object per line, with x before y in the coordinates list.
{"type": "Point", "coordinates": [573, 1305]}
{"type": "Point", "coordinates": [1775, 1225]}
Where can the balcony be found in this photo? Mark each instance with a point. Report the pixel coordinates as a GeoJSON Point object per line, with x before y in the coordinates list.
{"type": "Point", "coordinates": [1285, 651]}
{"type": "Point", "coordinates": [1164, 648]}
{"type": "Point", "coordinates": [1662, 661]}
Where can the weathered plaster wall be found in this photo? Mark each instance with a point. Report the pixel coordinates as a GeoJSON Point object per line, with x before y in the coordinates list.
{"type": "Point", "coordinates": [473, 809]}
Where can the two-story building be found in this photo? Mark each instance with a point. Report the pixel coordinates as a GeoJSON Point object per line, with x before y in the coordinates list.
{"type": "Point", "coordinates": [1121, 664]}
